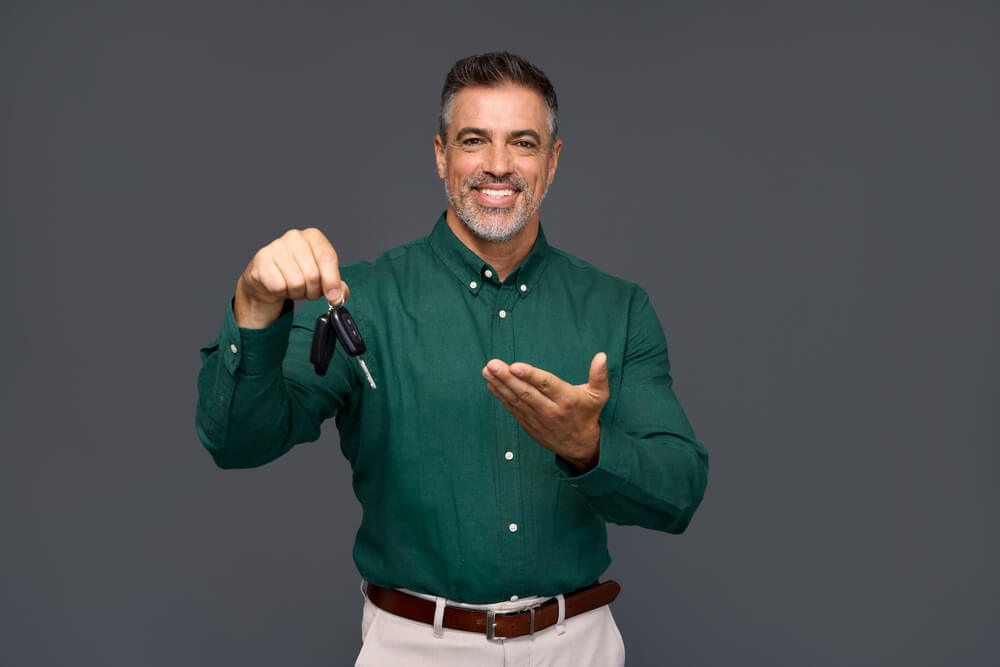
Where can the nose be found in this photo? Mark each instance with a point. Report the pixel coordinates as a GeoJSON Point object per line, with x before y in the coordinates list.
{"type": "Point", "coordinates": [497, 160]}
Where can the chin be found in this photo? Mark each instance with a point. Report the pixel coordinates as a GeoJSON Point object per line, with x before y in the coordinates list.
{"type": "Point", "coordinates": [492, 231]}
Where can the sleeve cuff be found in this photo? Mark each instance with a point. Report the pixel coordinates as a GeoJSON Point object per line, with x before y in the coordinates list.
{"type": "Point", "coordinates": [612, 467]}
{"type": "Point", "coordinates": [255, 351]}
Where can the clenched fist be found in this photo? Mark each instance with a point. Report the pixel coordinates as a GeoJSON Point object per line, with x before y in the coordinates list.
{"type": "Point", "coordinates": [297, 265]}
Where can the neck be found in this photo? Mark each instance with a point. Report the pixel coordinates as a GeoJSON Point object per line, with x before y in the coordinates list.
{"type": "Point", "coordinates": [503, 256]}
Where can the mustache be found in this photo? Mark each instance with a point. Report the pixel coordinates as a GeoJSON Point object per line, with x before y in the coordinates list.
{"type": "Point", "coordinates": [510, 180]}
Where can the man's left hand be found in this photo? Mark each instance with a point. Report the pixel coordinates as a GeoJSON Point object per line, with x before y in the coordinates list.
{"type": "Point", "coordinates": [560, 416]}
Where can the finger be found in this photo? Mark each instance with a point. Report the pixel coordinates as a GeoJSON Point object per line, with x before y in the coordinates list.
{"type": "Point", "coordinates": [513, 388]}
{"type": "Point", "coordinates": [507, 396]}
{"type": "Point", "coordinates": [548, 384]}
{"type": "Point", "coordinates": [301, 252]}
{"type": "Point", "coordinates": [266, 276]}
{"type": "Point", "coordinates": [328, 264]}
{"type": "Point", "coordinates": [500, 395]}
{"type": "Point", "coordinates": [520, 410]}
{"type": "Point", "coordinates": [493, 367]}
{"type": "Point", "coordinates": [597, 382]}
{"type": "Point", "coordinates": [284, 260]}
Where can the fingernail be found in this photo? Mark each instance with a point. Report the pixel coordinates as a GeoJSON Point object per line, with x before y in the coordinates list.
{"type": "Point", "coordinates": [517, 370]}
{"type": "Point", "coordinates": [494, 366]}
{"type": "Point", "coordinates": [333, 294]}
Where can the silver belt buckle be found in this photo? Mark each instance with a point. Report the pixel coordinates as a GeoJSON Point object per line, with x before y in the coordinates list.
{"type": "Point", "coordinates": [491, 621]}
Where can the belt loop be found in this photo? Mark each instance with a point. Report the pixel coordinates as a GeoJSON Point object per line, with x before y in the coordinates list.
{"type": "Point", "coordinates": [439, 616]}
{"type": "Point", "coordinates": [561, 621]}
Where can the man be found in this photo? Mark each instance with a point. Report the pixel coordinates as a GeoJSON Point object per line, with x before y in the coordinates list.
{"type": "Point", "coordinates": [486, 475]}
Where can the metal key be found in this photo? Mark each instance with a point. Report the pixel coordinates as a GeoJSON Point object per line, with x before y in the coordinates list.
{"type": "Point", "coordinates": [333, 325]}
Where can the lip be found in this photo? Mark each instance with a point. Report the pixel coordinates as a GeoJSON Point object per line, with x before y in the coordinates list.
{"type": "Point", "coordinates": [496, 202]}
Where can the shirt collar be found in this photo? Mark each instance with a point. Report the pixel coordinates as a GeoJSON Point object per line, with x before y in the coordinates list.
{"type": "Point", "coordinates": [473, 272]}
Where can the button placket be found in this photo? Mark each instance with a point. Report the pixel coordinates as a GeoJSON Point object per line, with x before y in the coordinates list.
{"type": "Point", "coordinates": [513, 547]}
{"type": "Point", "coordinates": [507, 298]}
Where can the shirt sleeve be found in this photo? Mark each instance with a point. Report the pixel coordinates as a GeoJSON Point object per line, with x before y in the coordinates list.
{"type": "Point", "coordinates": [258, 394]}
{"type": "Point", "coordinates": [652, 471]}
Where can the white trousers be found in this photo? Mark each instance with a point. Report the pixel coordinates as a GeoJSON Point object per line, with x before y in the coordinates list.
{"type": "Point", "coordinates": [589, 640]}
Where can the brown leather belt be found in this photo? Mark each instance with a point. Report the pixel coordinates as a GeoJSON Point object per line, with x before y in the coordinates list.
{"type": "Point", "coordinates": [494, 624]}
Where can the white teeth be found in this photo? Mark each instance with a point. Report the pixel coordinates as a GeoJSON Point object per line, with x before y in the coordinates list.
{"type": "Point", "coordinates": [497, 193]}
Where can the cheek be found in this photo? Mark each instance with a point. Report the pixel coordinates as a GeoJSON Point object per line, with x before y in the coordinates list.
{"type": "Point", "coordinates": [533, 171]}
{"type": "Point", "coordinates": [458, 171]}
{"type": "Point", "coordinates": [539, 176]}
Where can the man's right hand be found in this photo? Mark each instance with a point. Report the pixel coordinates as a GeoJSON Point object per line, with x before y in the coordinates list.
{"type": "Point", "coordinates": [297, 265]}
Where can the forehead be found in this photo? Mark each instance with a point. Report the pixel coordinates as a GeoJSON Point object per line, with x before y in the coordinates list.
{"type": "Point", "coordinates": [499, 109]}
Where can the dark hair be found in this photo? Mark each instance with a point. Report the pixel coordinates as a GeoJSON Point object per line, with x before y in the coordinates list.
{"type": "Point", "coordinates": [496, 69]}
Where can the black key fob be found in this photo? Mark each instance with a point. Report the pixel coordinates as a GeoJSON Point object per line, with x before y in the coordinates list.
{"type": "Point", "coordinates": [346, 331]}
{"type": "Point", "coordinates": [323, 342]}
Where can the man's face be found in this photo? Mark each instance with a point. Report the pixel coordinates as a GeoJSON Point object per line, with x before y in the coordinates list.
{"type": "Point", "coordinates": [497, 160]}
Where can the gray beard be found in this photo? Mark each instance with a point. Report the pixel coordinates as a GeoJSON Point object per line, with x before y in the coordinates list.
{"type": "Point", "coordinates": [478, 221]}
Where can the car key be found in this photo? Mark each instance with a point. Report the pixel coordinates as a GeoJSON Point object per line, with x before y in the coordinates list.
{"type": "Point", "coordinates": [333, 325]}
{"type": "Point", "coordinates": [349, 336]}
{"type": "Point", "coordinates": [323, 343]}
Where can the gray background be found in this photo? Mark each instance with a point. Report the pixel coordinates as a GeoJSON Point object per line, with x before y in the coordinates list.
{"type": "Point", "coordinates": [808, 192]}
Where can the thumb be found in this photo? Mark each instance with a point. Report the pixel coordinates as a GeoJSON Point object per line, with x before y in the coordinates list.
{"type": "Point", "coordinates": [339, 295]}
{"type": "Point", "coordinates": [597, 382]}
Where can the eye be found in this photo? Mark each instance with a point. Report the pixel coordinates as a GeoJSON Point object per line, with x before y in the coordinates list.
{"type": "Point", "coordinates": [472, 141]}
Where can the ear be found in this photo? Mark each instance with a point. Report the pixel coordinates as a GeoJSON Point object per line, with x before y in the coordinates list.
{"type": "Point", "coordinates": [554, 159]}
{"type": "Point", "coordinates": [439, 155]}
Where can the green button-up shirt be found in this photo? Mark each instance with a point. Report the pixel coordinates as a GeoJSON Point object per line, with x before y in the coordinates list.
{"type": "Point", "coordinates": [458, 500]}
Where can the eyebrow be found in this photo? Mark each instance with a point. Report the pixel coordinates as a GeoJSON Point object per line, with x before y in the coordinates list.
{"type": "Point", "coordinates": [466, 131]}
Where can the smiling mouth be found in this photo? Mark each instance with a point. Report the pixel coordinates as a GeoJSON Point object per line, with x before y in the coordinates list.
{"type": "Point", "coordinates": [495, 193]}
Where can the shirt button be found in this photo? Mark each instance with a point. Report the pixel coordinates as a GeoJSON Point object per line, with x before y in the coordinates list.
{"type": "Point", "coordinates": [524, 288]}
{"type": "Point", "coordinates": [233, 348]}
{"type": "Point", "coordinates": [503, 314]}
{"type": "Point", "coordinates": [512, 527]}
{"type": "Point", "coordinates": [473, 285]}
{"type": "Point", "coordinates": [488, 273]}
{"type": "Point", "coordinates": [509, 456]}
{"type": "Point", "coordinates": [513, 598]}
